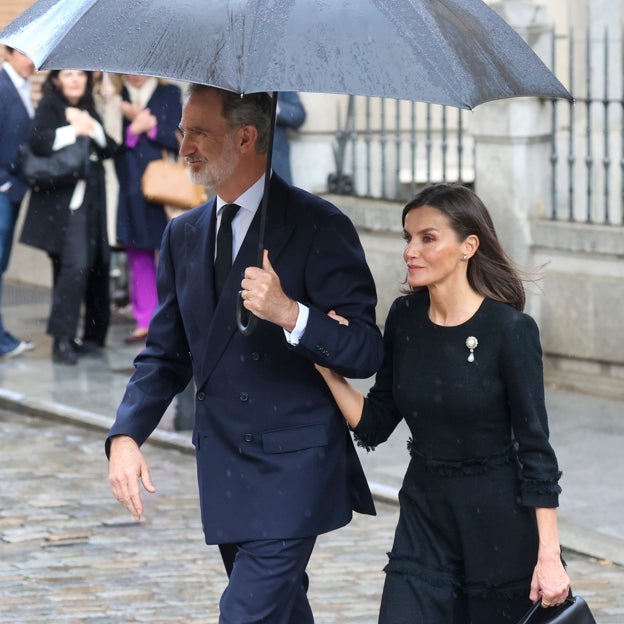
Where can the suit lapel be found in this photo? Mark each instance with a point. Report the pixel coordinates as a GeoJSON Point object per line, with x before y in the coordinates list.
{"type": "Point", "coordinates": [199, 241]}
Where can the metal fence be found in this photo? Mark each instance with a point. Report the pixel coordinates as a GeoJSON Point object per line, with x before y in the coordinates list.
{"type": "Point", "coordinates": [587, 147]}
{"type": "Point", "coordinates": [386, 149]}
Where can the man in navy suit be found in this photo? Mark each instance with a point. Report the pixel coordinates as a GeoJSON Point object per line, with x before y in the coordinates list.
{"type": "Point", "coordinates": [16, 111]}
{"type": "Point", "coordinates": [275, 460]}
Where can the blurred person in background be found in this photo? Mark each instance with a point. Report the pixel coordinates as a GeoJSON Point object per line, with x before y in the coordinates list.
{"type": "Point", "coordinates": [16, 112]}
{"type": "Point", "coordinates": [69, 222]}
{"type": "Point", "coordinates": [290, 115]}
{"type": "Point", "coordinates": [107, 95]}
{"type": "Point", "coordinates": [151, 111]}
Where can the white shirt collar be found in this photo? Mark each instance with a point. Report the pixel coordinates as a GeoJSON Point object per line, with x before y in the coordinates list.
{"type": "Point", "coordinates": [16, 79]}
{"type": "Point", "coordinates": [22, 85]}
{"type": "Point", "coordinates": [249, 200]}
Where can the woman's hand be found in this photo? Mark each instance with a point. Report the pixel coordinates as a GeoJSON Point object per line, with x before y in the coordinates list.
{"type": "Point", "coordinates": [143, 121]}
{"type": "Point", "coordinates": [550, 582]}
{"type": "Point", "coordinates": [82, 123]}
{"type": "Point", "coordinates": [129, 111]}
{"type": "Point", "coordinates": [341, 319]}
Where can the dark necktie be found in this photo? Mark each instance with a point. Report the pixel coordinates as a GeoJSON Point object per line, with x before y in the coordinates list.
{"type": "Point", "coordinates": [223, 261]}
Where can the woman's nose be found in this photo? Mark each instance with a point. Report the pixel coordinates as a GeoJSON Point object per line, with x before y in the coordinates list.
{"type": "Point", "coordinates": [411, 250]}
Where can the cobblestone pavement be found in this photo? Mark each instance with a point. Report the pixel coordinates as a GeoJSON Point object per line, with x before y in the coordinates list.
{"type": "Point", "coordinates": [71, 555]}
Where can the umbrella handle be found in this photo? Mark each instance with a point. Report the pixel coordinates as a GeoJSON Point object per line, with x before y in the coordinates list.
{"type": "Point", "coordinates": [252, 320]}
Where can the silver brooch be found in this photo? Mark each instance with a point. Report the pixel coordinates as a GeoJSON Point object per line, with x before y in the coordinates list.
{"type": "Point", "coordinates": [471, 343]}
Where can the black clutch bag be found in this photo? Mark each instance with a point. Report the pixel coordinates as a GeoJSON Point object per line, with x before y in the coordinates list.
{"type": "Point", "coordinates": [61, 168]}
{"type": "Point", "coordinates": [573, 611]}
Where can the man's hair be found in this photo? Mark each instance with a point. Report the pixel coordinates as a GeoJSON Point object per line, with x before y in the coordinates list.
{"type": "Point", "coordinates": [253, 109]}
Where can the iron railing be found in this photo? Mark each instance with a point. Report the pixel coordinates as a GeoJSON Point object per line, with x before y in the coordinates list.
{"type": "Point", "coordinates": [587, 147]}
{"type": "Point", "coordinates": [387, 149]}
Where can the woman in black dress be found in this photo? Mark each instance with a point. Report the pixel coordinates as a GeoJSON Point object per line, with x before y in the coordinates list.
{"type": "Point", "coordinates": [477, 538]}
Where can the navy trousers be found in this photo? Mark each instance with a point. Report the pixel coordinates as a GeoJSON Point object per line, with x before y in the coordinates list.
{"type": "Point", "coordinates": [267, 582]}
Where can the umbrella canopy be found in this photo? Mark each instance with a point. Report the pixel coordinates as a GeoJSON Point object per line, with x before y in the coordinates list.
{"type": "Point", "coordinates": [453, 52]}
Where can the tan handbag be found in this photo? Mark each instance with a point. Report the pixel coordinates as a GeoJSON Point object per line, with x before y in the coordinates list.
{"type": "Point", "coordinates": [167, 182]}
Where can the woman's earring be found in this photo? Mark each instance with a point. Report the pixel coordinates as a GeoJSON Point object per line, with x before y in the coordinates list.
{"type": "Point", "coordinates": [465, 258]}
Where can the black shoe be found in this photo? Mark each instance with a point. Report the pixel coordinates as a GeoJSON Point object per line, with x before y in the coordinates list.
{"type": "Point", "coordinates": [86, 348]}
{"type": "Point", "coordinates": [63, 352]}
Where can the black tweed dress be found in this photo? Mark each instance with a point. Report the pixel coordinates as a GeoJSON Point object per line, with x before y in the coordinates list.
{"type": "Point", "coordinates": [480, 462]}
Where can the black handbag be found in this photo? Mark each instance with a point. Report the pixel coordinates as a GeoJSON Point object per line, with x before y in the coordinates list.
{"type": "Point", "coordinates": [573, 611]}
{"type": "Point", "coordinates": [63, 167]}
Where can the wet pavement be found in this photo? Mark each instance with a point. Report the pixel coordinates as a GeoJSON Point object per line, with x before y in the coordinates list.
{"type": "Point", "coordinates": [70, 554]}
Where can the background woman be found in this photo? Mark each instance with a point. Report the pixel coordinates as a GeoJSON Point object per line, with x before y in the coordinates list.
{"type": "Point", "coordinates": [151, 114]}
{"type": "Point", "coordinates": [70, 222]}
{"type": "Point", "coordinates": [477, 536]}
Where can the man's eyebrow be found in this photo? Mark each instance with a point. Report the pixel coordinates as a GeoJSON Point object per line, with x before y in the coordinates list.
{"type": "Point", "coordinates": [190, 129]}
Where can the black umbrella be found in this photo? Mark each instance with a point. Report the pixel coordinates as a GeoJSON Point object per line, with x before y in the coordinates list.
{"type": "Point", "coordinates": [452, 52]}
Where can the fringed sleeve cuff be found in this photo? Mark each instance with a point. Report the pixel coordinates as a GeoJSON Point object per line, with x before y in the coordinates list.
{"type": "Point", "coordinates": [363, 440]}
{"type": "Point", "coordinates": [540, 492]}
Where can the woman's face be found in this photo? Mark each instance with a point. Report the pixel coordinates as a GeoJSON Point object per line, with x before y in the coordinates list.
{"type": "Point", "coordinates": [432, 251]}
{"type": "Point", "coordinates": [72, 84]}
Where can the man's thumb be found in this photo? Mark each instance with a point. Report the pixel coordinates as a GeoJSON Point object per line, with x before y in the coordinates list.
{"type": "Point", "coordinates": [146, 479]}
{"type": "Point", "coordinates": [266, 264]}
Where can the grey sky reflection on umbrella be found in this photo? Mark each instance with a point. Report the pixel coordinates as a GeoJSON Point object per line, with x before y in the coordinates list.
{"type": "Point", "coordinates": [454, 52]}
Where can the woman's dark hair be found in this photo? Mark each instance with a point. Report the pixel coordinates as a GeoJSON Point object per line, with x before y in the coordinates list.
{"type": "Point", "coordinates": [252, 109]}
{"type": "Point", "coordinates": [87, 102]}
{"type": "Point", "coordinates": [490, 271]}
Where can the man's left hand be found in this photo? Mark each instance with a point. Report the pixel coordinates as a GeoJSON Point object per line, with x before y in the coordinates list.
{"type": "Point", "coordinates": [263, 295]}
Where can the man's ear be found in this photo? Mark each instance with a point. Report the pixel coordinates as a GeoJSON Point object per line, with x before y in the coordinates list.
{"type": "Point", "coordinates": [246, 138]}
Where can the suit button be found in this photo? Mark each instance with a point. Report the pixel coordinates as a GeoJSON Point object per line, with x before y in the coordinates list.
{"type": "Point", "coordinates": [243, 396]}
{"type": "Point", "coordinates": [201, 396]}
{"type": "Point", "coordinates": [248, 437]}
{"type": "Point", "coordinates": [255, 356]}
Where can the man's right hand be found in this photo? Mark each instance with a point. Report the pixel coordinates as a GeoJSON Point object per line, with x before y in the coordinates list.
{"type": "Point", "coordinates": [125, 468]}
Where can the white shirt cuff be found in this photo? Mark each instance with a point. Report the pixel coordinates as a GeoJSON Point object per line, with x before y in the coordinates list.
{"type": "Point", "coordinates": [294, 337]}
{"type": "Point", "coordinates": [65, 135]}
{"type": "Point", "coordinates": [97, 134]}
